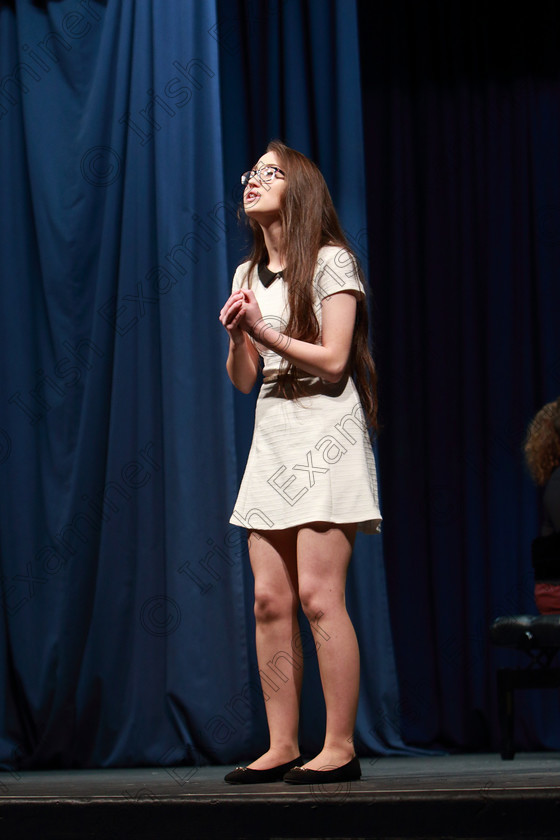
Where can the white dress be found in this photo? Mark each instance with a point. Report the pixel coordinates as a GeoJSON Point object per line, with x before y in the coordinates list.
{"type": "Point", "coordinates": [311, 459]}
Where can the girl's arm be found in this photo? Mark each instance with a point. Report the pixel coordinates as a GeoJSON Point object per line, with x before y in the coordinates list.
{"type": "Point", "coordinates": [327, 360]}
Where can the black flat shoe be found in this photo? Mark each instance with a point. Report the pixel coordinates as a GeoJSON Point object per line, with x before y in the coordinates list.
{"type": "Point", "coordinates": [350, 772]}
{"type": "Point", "coordinates": [248, 776]}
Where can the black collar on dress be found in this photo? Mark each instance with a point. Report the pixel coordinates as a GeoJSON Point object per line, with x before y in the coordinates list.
{"type": "Point", "coordinates": [266, 276]}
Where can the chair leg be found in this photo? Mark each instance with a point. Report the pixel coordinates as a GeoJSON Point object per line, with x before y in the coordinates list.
{"type": "Point", "coordinates": [506, 713]}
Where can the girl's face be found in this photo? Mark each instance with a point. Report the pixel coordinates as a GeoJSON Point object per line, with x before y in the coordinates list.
{"type": "Point", "coordinates": [265, 187]}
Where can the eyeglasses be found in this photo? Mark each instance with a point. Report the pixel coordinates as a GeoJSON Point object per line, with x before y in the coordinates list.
{"type": "Point", "coordinates": [266, 174]}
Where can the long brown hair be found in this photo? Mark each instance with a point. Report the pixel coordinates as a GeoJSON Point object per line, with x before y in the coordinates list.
{"type": "Point", "coordinates": [309, 222]}
{"type": "Point", "coordinates": [542, 444]}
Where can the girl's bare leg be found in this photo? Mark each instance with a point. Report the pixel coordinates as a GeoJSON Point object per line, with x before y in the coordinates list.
{"type": "Point", "coordinates": [324, 552]}
{"type": "Point", "coordinates": [273, 560]}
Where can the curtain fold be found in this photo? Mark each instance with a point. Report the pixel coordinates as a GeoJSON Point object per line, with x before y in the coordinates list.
{"type": "Point", "coordinates": [461, 114]}
{"type": "Point", "coordinates": [126, 603]}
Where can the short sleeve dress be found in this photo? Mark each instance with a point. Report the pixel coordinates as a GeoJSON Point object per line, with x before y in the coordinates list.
{"type": "Point", "coordinates": [311, 458]}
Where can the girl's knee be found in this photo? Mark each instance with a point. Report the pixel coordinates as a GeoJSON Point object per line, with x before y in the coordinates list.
{"type": "Point", "coordinates": [270, 607]}
{"type": "Point", "coordinates": [317, 602]}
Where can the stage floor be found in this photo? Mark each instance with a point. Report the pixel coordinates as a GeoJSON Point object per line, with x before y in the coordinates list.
{"type": "Point", "coordinates": [461, 796]}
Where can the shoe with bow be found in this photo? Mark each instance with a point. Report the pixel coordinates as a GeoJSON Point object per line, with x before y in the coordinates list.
{"type": "Point", "coordinates": [350, 772]}
{"type": "Point", "coordinates": [248, 776]}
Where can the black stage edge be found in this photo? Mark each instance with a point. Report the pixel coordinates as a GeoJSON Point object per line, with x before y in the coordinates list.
{"type": "Point", "coordinates": [466, 796]}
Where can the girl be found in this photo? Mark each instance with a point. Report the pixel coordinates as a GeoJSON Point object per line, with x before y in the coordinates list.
{"type": "Point", "coordinates": [310, 482]}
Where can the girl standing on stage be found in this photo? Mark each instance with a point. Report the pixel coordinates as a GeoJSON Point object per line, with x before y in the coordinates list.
{"type": "Point", "coordinates": [298, 304]}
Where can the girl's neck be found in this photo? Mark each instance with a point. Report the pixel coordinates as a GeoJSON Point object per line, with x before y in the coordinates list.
{"type": "Point", "coordinates": [273, 241]}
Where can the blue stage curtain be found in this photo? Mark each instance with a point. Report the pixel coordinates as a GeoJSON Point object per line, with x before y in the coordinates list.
{"type": "Point", "coordinates": [462, 126]}
{"type": "Point", "coordinates": [126, 603]}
